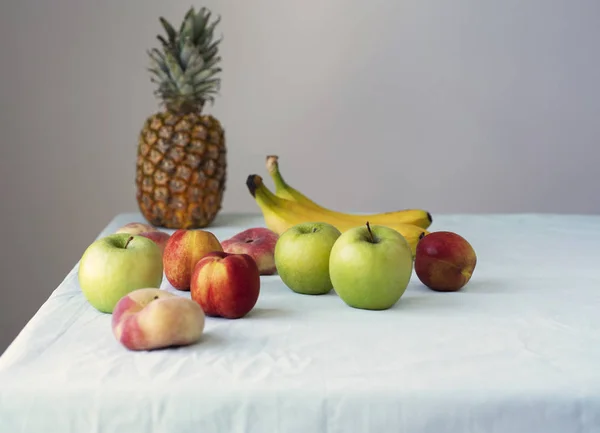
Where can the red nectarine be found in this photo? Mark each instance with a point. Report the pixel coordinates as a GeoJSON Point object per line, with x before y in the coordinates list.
{"type": "Point", "coordinates": [258, 243]}
{"type": "Point", "coordinates": [444, 261]}
{"type": "Point", "coordinates": [160, 238]}
{"type": "Point", "coordinates": [182, 251]}
{"type": "Point", "coordinates": [135, 228]}
{"type": "Point", "coordinates": [226, 285]}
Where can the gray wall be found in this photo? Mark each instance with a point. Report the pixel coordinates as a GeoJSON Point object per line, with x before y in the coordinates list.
{"type": "Point", "coordinates": [454, 106]}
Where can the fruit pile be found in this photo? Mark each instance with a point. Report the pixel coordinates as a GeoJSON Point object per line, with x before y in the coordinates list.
{"type": "Point", "coordinates": [122, 274]}
{"type": "Point", "coordinates": [367, 259]}
{"type": "Point", "coordinates": [181, 172]}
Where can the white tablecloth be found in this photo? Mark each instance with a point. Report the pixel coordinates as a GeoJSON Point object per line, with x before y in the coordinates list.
{"type": "Point", "coordinates": [517, 350]}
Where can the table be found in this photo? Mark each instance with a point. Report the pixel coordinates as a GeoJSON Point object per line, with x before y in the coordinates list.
{"type": "Point", "coordinates": [517, 350]}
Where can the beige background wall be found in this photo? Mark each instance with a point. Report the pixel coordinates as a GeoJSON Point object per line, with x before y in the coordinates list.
{"type": "Point", "coordinates": [462, 106]}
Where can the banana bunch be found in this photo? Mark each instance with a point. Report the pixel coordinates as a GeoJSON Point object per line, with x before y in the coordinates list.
{"type": "Point", "coordinates": [416, 217]}
{"type": "Point", "coordinates": [288, 207]}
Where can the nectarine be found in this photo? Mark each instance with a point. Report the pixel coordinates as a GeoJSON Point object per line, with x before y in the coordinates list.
{"type": "Point", "coordinates": [160, 238]}
{"type": "Point", "coordinates": [259, 243]}
{"type": "Point", "coordinates": [226, 285]}
{"type": "Point", "coordinates": [135, 228]}
{"type": "Point", "coordinates": [182, 251]}
{"type": "Point", "coordinates": [444, 261]}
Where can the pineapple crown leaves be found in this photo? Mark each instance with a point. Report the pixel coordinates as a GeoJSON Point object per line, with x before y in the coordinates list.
{"type": "Point", "coordinates": [185, 68]}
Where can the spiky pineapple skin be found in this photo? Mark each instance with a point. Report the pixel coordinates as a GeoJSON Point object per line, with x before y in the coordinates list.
{"type": "Point", "coordinates": [181, 169]}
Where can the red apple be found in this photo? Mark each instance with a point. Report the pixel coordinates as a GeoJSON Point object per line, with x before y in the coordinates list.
{"type": "Point", "coordinates": [151, 318]}
{"type": "Point", "coordinates": [226, 285]}
{"type": "Point", "coordinates": [182, 251]}
{"type": "Point", "coordinates": [444, 261]}
{"type": "Point", "coordinates": [135, 228]}
{"type": "Point", "coordinates": [258, 243]}
{"type": "Point", "coordinates": [160, 238]}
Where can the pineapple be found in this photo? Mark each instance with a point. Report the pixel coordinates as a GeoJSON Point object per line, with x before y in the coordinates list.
{"type": "Point", "coordinates": [181, 155]}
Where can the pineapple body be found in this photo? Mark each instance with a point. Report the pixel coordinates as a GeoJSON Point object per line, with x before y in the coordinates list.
{"type": "Point", "coordinates": [181, 169]}
{"type": "Point", "coordinates": [181, 166]}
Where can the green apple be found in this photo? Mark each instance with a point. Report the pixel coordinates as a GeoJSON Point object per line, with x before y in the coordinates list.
{"type": "Point", "coordinates": [370, 267]}
{"type": "Point", "coordinates": [117, 264]}
{"type": "Point", "coordinates": [302, 257]}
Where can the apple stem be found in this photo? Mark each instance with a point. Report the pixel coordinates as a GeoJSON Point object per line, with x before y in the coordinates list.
{"type": "Point", "coordinates": [128, 240]}
{"type": "Point", "coordinates": [370, 232]}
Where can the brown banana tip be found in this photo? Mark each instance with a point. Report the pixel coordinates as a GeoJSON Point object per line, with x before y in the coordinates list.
{"type": "Point", "coordinates": [252, 183]}
{"type": "Point", "coordinates": [422, 235]}
{"type": "Point", "coordinates": [429, 217]}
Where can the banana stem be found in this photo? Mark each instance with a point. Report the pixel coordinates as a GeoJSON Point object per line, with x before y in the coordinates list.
{"type": "Point", "coordinates": [258, 190]}
{"type": "Point", "coordinates": [273, 169]}
{"type": "Point", "coordinates": [272, 163]}
{"type": "Point", "coordinates": [265, 198]}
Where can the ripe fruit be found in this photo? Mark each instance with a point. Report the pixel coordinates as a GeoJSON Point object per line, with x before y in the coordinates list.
{"type": "Point", "coordinates": [135, 228]}
{"type": "Point", "coordinates": [226, 285]}
{"type": "Point", "coordinates": [159, 237]}
{"type": "Point", "coordinates": [445, 261]}
{"type": "Point", "coordinates": [151, 318]}
{"type": "Point", "coordinates": [258, 243]}
{"type": "Point", "coordinates": [418, 217]}
{"type": "Point", "coordinates": [302, 257]}
{"type": "Point", "coordinates": [370, 267]}
{"type": "Point", "coordinates": [117, 264]}
{"type": "Point", "coordinates": [183, 250]}
{"type": "Point", "coordinates": [281, 214]}
{"type": "Point", "coordinates": [181, 157]}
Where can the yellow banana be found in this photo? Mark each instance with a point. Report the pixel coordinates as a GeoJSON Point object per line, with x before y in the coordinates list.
{"type": "Point", "coordinates": [280, 214]}
{"type": "Point", "coordinates": [418, 217]}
